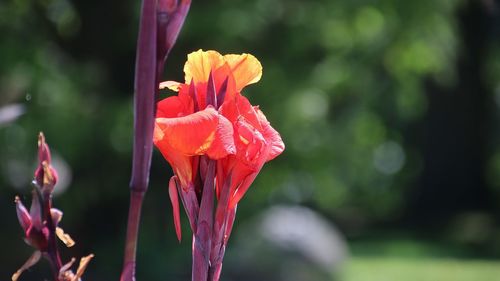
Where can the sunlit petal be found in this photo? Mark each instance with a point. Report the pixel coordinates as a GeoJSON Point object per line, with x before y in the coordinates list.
{"type": "Point", "coordinates": [192, 134]}
{"type": "Point", "coordinates": [172, 85]}
{"type": "Point", "coordinates": [200, 63]}
{"type": "Point", "coordinates": [246, 69]}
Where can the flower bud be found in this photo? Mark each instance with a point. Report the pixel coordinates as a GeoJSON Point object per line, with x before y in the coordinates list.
{"type": "Point", "coordinates": [45, 175]}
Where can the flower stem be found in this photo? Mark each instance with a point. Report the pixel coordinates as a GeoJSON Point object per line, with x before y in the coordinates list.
{"type": "Point", "coordinates": [52, 253]}
{"type": "Point", "coordinates": [219, 230]}
{"type": "Point", "coordinates": [144, 112]}
{"type": "Point", "coordinates": [134, 217]}
{"type": "Point", "coordinates": [216, 265]}
{"type": "Point", "coordinates": [202, 239]}
{"type": "Point", "coordinates": [165, 17]}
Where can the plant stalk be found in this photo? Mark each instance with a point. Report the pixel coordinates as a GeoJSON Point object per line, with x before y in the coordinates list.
{"type": "Point", "coordinates": [134, 217]}
{"type": "Point", "coordinates": [144, 112]}
{"type": "Point", "coordinates": [52, 253]}
{"type": "Point", "coordinates": [202, 239]}
{"type": "Point", "coordinates": [160, 24]}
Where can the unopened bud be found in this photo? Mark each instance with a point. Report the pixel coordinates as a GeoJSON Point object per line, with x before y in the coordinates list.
{"type": "Point", "coordinates": [45, 175]}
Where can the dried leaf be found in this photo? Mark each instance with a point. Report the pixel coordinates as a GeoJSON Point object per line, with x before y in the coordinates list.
{"type": "Point", "coordinates": [64, 237]}
{"type": "Point", "coordinates": [84, 262]}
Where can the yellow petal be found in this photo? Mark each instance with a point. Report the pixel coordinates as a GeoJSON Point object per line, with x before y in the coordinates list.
{"type": "Point", "coordinates": [200, 63]}
{"type": "Point", "coordinates": [246, 69]}
{"type": "Point", "coordinates": [172, 85]}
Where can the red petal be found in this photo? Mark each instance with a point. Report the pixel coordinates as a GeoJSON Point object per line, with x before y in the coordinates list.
{"type": "Point", "coordinates": [192, 134]}
{"type": "Point", "coordinates": [223, 75]}
{"type": "Point", "coordinates": [223, 143]}
{"type": "Point", "coordinates": [181, 164]}
{"type": "Point", "coordinates": [172, 192]}
{"type": "Point", "coordinates": [172, 107]}
{"type": "Point", "coordinates": [272, 137]}
{"type": "Point", "coordinates": [240, 108]}
{"type": "Point", "coordinates": [242, 189]}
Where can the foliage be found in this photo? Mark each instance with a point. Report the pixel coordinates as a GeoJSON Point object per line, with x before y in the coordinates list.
{"type": "Point", "coordinates": [343, 81]}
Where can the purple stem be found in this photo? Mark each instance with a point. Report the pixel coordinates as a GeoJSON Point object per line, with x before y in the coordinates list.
{"type": "Point", "coordinates": [216, 268]}
{"type": "Point", "coordinates": [144, 113]}
{"type": "Point", "coordinates": [218, 245]}
{"type": "Point", "coordinates": [134, 217]}
{"type": "Point", "coordinates": [203, 235]}
{"type": "Point", "coordinates": [52, 253]}
{"type": "Point", "coordinates": [160, 24]}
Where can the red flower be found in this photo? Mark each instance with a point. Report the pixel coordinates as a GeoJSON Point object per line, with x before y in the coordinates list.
{"type": "Point", "coordinates": [210, 133]}
{"type": "Point", "coordinates": [224, 127]}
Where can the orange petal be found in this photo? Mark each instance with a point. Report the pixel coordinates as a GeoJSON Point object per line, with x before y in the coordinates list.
{"type": "Point", "coordinates": [200, 63]}
{"type": "Point", "coordinates": [181, 164]}
{"type": "Point", "coordinates": [172, 192]}
{"type": "Point", "coordinates": [192, 134]}
{"type": "Point", "coordinates": [246, 69]}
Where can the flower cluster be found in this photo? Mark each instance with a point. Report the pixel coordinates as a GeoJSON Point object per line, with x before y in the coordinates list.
{"type": "Point", "coordinates": [216, 143]}
{"type": "Point", "coordinates": [41, 223]}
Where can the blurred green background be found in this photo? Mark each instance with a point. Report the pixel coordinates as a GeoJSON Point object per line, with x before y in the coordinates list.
{"type": "Point", "coordinates": [389, 110]}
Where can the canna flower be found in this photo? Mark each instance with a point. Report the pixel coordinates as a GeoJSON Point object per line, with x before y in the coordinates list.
{"type": "Point", "coordinates": [213, 138]}
{"type": "Point", "coordinates": [210, 117]}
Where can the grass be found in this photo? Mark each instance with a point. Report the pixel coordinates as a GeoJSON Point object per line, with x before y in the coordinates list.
{"type": "Point", "coordinates": [421, 269]}
{"type": "Point", "coordinates": [405, 259]}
